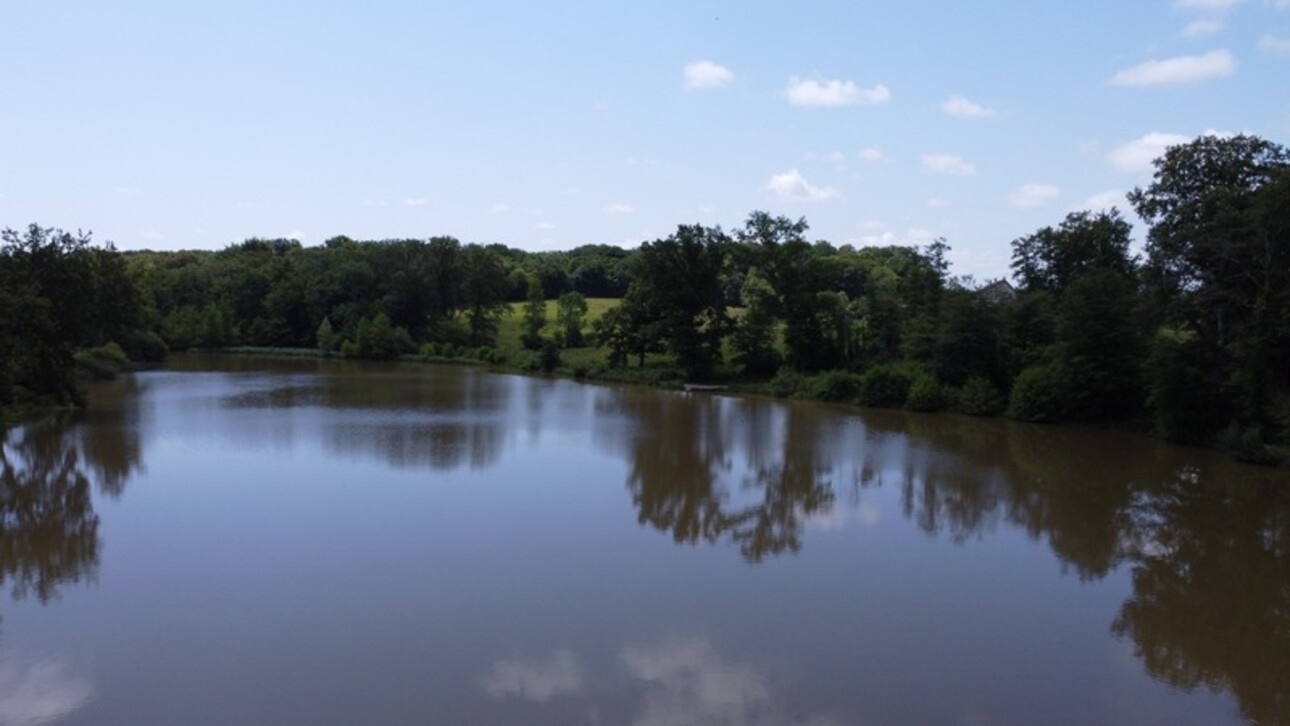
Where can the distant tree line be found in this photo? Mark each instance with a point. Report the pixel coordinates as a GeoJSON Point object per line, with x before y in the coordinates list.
{"type": "Point", "coordinates": [1193, 340]}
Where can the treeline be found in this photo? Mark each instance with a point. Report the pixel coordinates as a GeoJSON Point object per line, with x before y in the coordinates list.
{"type": "Point", "coordinates": [1192, 340]}
{"type": "Point", "coordinates": [278, 293]}
{"type": "Point", "coordinates": [65, 305]}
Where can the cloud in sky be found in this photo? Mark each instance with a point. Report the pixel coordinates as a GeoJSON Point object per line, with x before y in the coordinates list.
{"type": "Point", "coordinates": [1105, 200]}
{"type": "Point", "coordinates": [810, 93]}
{"type": "Point", "coordinates": [703, 74]}
{"type": "Point", "coordinates": [791, 186]}
{"type": "Point", "coordinates": [961, 107]}
{"type": "Point", "coordinates": [619, 208]}
{"type": "Point", "coordinates": [415, 202]}
{"type": "Point", "coordinates": [1175, 71]}
{"type": "Point", "coordinates": [543, 226]}
{"type": "Point", "coordinates": [1136, 156]}
{"type": "Point", "coordinates": [1202, 28]}
{"type": "Point", "coordinates": [1218, 5]}
{"type": "Point", "coordinates": [870, 154]}
{"type": "Point", "coordinates": [1029, 196]}
{"type": "Point", "coordinates": [948, 164]}
{"type": "Point", "coordinates": [1275, 45]}
{"type": "Point", "coordinates": [296, 235]}
{"type": "Point", "coordinates": [500, 208]}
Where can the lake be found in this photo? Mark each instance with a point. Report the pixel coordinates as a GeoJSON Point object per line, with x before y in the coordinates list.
{"type": "Point", "coordinates": [253, 541]}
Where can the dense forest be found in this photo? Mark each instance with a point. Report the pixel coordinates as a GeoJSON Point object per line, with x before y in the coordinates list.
{"type": "Point", "coordinates": [1191, 341]}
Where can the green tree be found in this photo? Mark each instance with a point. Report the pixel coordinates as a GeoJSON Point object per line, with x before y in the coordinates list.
{"type": "Point", "coordinates": [534, 315]}
{"type": "Point", "coordinates": [571, 311]}
{"type": "Point", "coordinates": [679, 278]}
{"type": "Point", "coordinates": [326, 336]}
{"type": "Point", "coordinates": [754, 333]}
{"type": "Point", "coordinates": [1218, 258]}
{"type": "Point", "coordinates": [483, 287]}
{"type": "Point", "coordinates": [1051, 259]}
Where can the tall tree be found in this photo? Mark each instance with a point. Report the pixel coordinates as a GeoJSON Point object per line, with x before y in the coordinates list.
{"type": "Point", "coordinates": [680, 279]}
{"type": "Point", "coordinates": [1218, 257]}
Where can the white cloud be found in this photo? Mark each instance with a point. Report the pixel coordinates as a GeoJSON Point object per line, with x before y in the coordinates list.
{"type": "Point", "coordinates": [619, 208]}
{"type": "Point", "coordinates": [871, 154]}
{"type": "Point", "coordinates": [296, 235]}
{"type": "Point", "coordinates": [833, 93]}
{"type": "Point", "coordinates": [500, 208]}
{"type": "Point", "coordinates": [1137, 156]}
{"type": "Point", "coordinates": [1218, 5]}
{"type": "Point", "coordinates": [543, 226]}
{"type": "Point", "coordinates": [415, 202]}
{"type": "Point", "coordinates": [705, 74]}
{"type": "Point", "coordinates": [1183, 69]}
{"type": "Point", "coordinates": [535, 680]}
{"type": "Point", "coordinates": [914, 236]}
{"type": "Point", "coordinates": [1274, 45]}
{"type": "Point", "coordinates": [1105, 200]}
{"type": "Point", "coordinates": [1202, 28]}
{"type": "Point", "coordinates": [948, 164]}
{"type": "Point", "coordinates": [1029, 196]}
{"type": "Point", "coordinates": [791, 186]}
{"type": "Point", "coordinates": [152, 235]}
{"type": "Point", "coordinates": [937, 203]}
{"type": "Point", "coordinates": [837, 158]}
{"type": "Point", "coordinates": [961, 107]}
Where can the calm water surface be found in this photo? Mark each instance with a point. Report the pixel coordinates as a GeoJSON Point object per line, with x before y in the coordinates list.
{"type": "Point", "coordinates": [241, 541]}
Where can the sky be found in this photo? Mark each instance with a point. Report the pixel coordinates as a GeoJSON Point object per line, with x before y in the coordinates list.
{"type": "Point", "coordinates": [181, 125]}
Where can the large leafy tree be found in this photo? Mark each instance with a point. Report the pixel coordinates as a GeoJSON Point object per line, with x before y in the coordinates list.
{"type": "Point", "coordinates": [49, 308]}
{"type": "Point", "coordinates": [1053, 258]}
{"type": "Point", "coordinates": [1218, 258]}
{"type": "Point", "coordinates": [679, 279]}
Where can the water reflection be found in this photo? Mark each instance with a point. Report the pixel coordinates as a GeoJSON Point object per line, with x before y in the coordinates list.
{"type": "Point", "coordinates": [672, 681]}
{"type": "Point", "coordinates": [39, 690]}
{"type": "Point", "coordinates": [48, 527]}
{"type": "Point", "coordinates": [1207, 539]}
{"type": "Point", "coordinates": [707, 469]}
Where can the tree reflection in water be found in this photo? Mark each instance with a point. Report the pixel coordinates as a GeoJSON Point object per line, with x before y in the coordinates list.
{"type": "Point", "coordinates": [1207, 540]}
{"type": "Point", "coordinates": [49, 532]}
{"type": "Point", "coordinates": [691, 476]}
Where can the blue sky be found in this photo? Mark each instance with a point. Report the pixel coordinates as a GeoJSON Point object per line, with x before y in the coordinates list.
{"type": "Point", "coordinates": [170, 125]}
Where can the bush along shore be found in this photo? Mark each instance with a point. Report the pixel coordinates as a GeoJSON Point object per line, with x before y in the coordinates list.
{"type": "Point", "coordinates": [1190, 340]}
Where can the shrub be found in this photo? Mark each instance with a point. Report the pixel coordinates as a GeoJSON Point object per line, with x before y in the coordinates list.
{"type": "Point", "coordinates": [979, 397]}
{"type": "Point", "coordinates": [429, 350]}
{"type": "Point", "coordinates": [1037, 395]}
{"type": "Point", "coordinates": [102, 362]}
{"type": "Point", "coordinates": [885, 385]}
{"type": "Point", "coordinates": [549, 356]}
{"type": "Point", "coordinates": [786, 382]}
{"type": "Point", "coordinates": [925, 393]}
{"type": "Point", "coordinates": [145, 346]}
{"type": "Point", "coordinates": [835, 386]}
{"type": "Point", "coordinates": [1247, 445]}
{"type": "Point", "coordinates": [1187, 396]}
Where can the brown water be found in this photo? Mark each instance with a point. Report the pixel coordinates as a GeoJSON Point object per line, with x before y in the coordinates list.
{"type": "Point", "coordinates": [240, 541]}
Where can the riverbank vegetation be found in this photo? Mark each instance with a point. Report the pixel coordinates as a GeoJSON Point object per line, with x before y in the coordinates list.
{"type": "Point", "coordinates": [1191, 340]}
